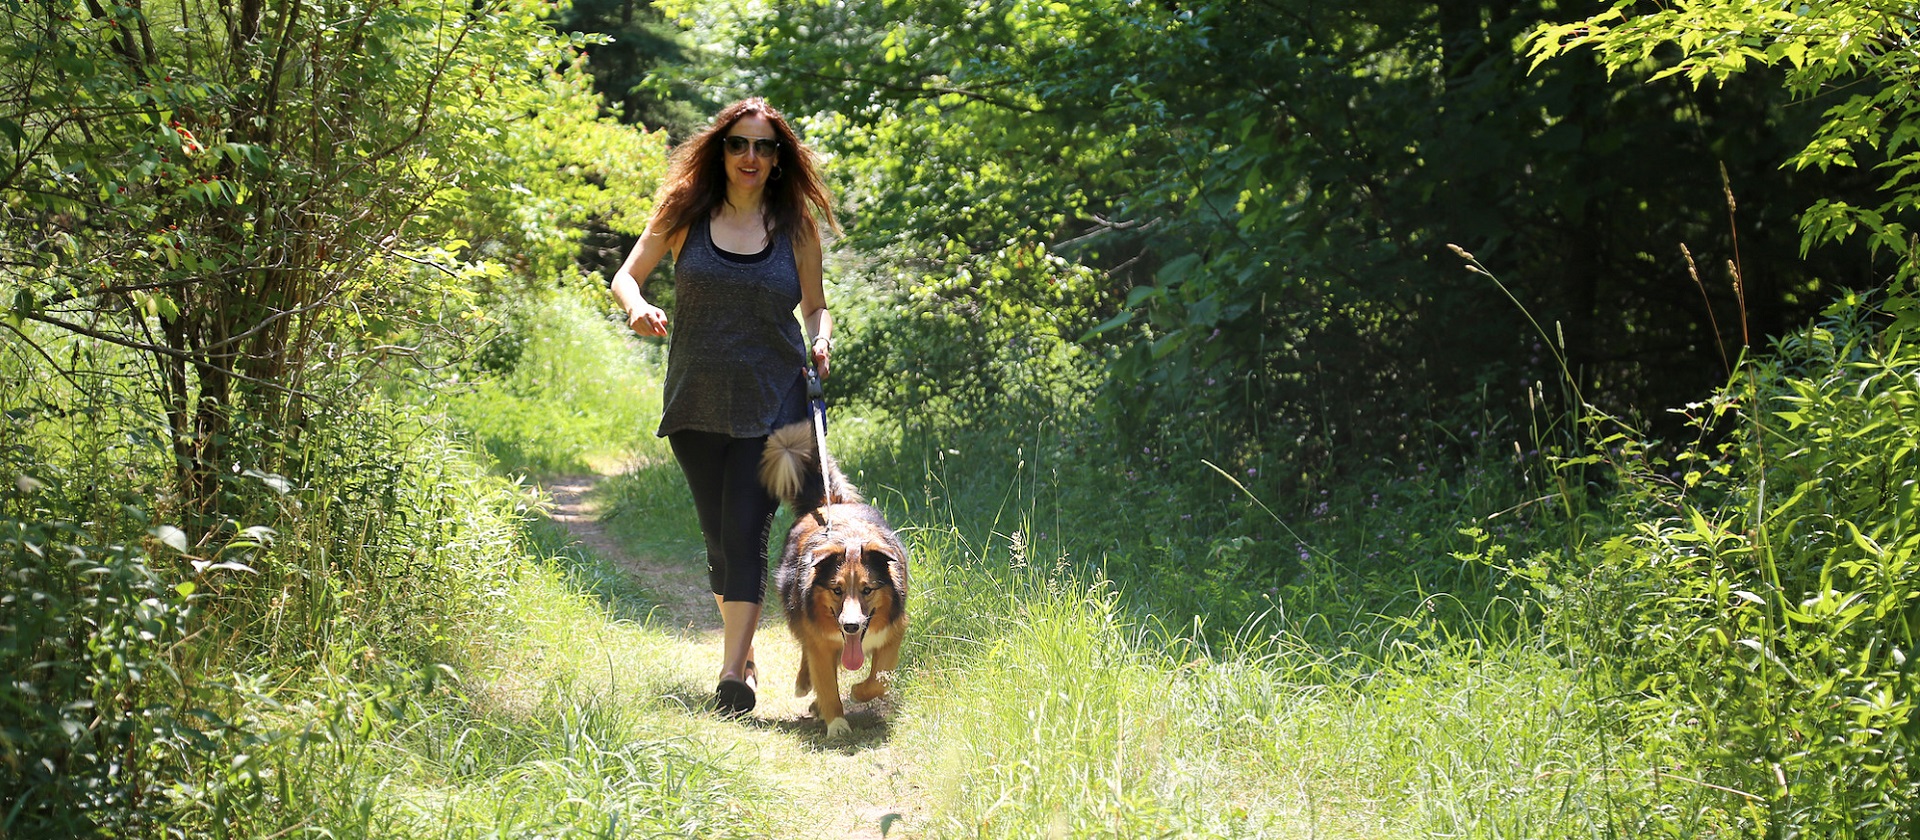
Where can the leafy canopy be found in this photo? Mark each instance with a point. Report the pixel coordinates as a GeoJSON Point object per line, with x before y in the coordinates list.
{"type": "Point", "coordinates": [1859, 55]}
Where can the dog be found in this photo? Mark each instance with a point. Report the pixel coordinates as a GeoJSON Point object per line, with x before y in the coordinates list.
{"type": "Point", "coordinates": [842, 576]}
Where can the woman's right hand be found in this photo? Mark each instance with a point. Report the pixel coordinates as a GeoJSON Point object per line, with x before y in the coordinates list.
{"type": "Point", "coordinates": [647, 319]}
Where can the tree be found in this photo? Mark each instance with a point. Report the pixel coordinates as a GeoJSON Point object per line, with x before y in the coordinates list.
{"type": "Point", "coordinates": [1857, 55]}
{"type": "Point", "coordinates": [252, 197]}
{"type": "Point", "coordinates": [1265, 192]}
{"type": "Point", "coordinates": [637, 43]}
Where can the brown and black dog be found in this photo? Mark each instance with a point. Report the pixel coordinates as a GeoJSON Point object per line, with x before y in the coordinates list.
{"type": "Point", "coordinates": [842, 576]}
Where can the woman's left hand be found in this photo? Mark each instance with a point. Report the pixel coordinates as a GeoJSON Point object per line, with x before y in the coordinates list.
{"type": "Point", "coordinates": [822, 349]}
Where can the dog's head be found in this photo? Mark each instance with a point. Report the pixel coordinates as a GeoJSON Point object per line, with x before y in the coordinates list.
{"type": "Point", "coordinates": [845, 570]}
{"type": "Point", "coordinates": [853, 582]}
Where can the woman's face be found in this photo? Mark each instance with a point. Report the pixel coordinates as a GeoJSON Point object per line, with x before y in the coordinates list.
{"type": "Point", "coordinates": [750, 159]}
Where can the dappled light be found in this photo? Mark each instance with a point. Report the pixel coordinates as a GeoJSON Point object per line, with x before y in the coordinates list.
{"type": "Point", "coordinates": [1402, 419]}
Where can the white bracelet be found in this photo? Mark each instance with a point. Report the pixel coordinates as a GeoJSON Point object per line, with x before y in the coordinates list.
{"type": "Point", "coordinates": [826, 338]}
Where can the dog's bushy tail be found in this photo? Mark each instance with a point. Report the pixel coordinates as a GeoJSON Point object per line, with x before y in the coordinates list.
{"type": "Point", "coordinates": [788, 457]}
{"type": "Point", "coordinates": [788, 469]}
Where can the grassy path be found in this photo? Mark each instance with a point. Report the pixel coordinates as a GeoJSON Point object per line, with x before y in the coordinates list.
{"type": "Point", "coordinates": [829, 788]}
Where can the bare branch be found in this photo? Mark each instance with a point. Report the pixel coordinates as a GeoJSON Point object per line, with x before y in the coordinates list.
{"type": "Point", "coordinates": [196, 359]}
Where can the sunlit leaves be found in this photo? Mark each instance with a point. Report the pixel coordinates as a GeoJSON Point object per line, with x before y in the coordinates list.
{"type": "Point", "coordinates": [1839, 45]}
{"type": "Point", "coordinates": [243, 192]}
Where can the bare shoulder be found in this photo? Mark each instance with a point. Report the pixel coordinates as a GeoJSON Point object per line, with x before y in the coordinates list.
{"type": "Point", "coordinates": [673, 239]}
{"type": "Point", "coordinates": [806, 242]}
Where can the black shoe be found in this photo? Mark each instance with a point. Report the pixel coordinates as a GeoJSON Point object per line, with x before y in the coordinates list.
{"type": "Point", "coordinates": [734, 697]}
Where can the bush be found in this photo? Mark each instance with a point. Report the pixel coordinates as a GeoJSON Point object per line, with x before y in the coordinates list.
{"type": "Point", "coordinates": [90, 714]}
{"type": "Point", "coordinates": [527, 402]}
{"type": "Point", "coordinates": [1761, 611]}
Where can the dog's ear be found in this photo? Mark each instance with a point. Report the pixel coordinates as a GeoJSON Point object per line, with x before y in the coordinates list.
{"type": "Point", "coordinates": [897, 572]}
{"type": "Point", "coordinates": [803, 574]}
{"type": "Point", "coordinates": [879, 565]}
{"type": "Point", "coordinates": [822, 562]}
{"type": "Point", "coordinates": [887, 567]}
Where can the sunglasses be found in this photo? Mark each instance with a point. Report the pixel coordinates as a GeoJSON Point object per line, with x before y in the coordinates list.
{"type": "Point", "coordinates": [765, 147]}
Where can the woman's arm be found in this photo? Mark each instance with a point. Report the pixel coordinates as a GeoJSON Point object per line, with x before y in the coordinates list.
{"type": "Point", "coordinates": [643, 317]}
{"type": "Point", "coordinates": [813, 300]}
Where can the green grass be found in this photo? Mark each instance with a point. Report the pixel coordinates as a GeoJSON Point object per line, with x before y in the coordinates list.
{"type": "Point", "coordinates": [1052, 710]}
{"type": "Point", "coordinates": [1051, 692]}
{"type": "Point", "coordinates": [1101, 647]}
{"type": "Point", "coordinates": [556, 729]}
{"type": "Point", "coordinates": [561, 389]}
{"type": "Point", "coordinates": [649, 510]}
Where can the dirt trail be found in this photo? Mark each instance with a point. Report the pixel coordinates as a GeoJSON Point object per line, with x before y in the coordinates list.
{"type": "Point", "coordinates": [836, 789]}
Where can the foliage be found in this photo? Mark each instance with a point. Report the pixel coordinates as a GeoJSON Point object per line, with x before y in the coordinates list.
{"type": "Point", "coordinates": [1763, 590]}
{"type": "Point", "coordinates": [97, 598]}
{"type": "Point", "coordinates": [1246, 205]}
{"type": "Point", "coordinates": [629, 66]}
{"type": "Point", "coordinates": [524, 402]}
{"type": "Point", "coordinates": [126, 641]}
{"type": "Point", "coordinates": [1858, 52]}
{"type": "Point", "coordinates": [247, 197]}
{"type": "Point", "coordinates": [547, 169]}
{"type": "Point", "coordinates": [93, 719]}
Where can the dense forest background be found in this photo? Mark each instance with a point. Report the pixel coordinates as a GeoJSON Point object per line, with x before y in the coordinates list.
{"type": "Point", "coordinates": [1554, 344]}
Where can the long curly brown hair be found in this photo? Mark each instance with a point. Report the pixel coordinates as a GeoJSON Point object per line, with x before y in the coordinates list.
{"type": "Point", "coordinates": [696, 183]}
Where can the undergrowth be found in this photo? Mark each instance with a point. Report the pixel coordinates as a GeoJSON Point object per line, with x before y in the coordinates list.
{"type": "Point", "coordinates": [1460, 638]}
{"type": "Point", "coordinates": [555, 389]}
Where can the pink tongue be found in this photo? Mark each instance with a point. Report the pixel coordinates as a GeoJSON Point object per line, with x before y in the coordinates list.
{"type": "Point", "coordinates": [851, 656]}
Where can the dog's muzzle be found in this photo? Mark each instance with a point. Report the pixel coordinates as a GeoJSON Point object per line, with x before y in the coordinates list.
{"type": "Point", "coordinates": [853, 631]}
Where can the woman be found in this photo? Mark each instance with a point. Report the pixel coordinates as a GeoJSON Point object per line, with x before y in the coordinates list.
{"type": "Point", "coordinates": [736, 212]}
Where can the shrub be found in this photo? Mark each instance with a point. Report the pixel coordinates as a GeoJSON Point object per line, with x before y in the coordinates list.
{"type": "Point", "coordinates": [90, 713]}
{"type": "Point", "coordinates": [1762, 610]}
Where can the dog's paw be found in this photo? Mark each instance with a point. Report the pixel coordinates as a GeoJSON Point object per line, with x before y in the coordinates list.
{"type": "Point", "coordinates": [839, 728]}
{"type": "Point", "coordinates": [868, 690]}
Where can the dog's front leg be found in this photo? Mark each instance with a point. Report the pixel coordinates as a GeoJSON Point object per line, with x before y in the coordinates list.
{"type": "Point", "coordinates": [885, 659]}
{"type": "Point", "coordinates": [823, 667]}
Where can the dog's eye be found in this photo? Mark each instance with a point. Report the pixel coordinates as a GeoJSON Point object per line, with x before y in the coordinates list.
{"type": "Point", "coordinates": [836, 590]}
{"type": "Point", "coordinates": [868, 590]}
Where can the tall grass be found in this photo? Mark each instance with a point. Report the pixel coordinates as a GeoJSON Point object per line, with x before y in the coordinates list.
{"type": "Point", "coordinates": [1454, 639]}
{"type": "Point", "coordinates": [1070, 682]}
{"type": "Point", "coordinates": [1749, 632]}
{"type": "Point", "coordinates": [1620, 636]}
{"type": "Point", "coordinates": [557, 388]}
{"type": "Point", "coordinates": [386, 649]}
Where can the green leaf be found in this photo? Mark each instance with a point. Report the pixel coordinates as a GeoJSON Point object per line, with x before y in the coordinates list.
{"type": "Point", "coordinates": [1176, 270]}
{"type": "Point", "coordinates": [1112, 323]}
{"type": "Point", "coordinates": [1141, 294]}
{"type": "Point", "coordinates": [172, 537]}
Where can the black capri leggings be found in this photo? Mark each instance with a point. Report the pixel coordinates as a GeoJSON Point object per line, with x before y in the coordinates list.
{"type": "Point", "coordinates": [735, 511]}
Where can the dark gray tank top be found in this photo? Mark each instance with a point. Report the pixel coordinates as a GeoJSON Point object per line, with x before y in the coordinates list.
{"type": "Point", "coordinates": [735, 360]}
